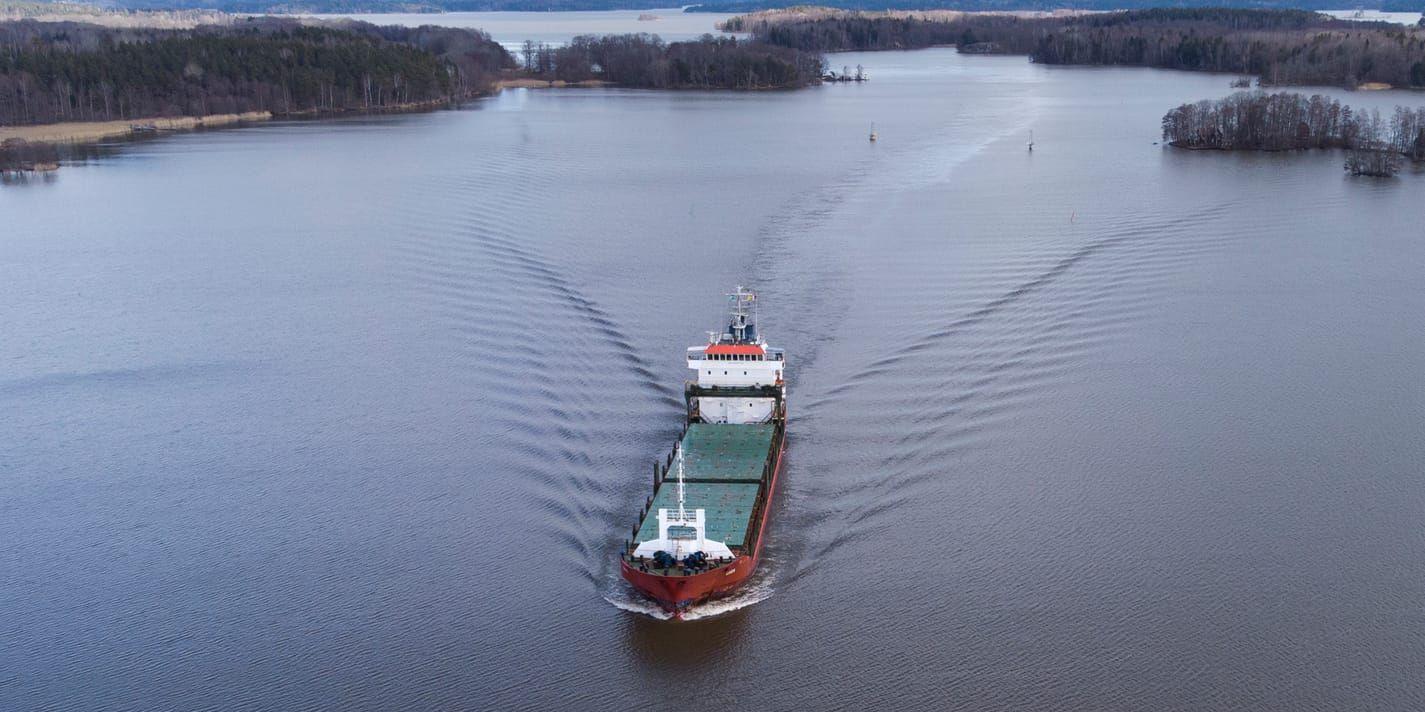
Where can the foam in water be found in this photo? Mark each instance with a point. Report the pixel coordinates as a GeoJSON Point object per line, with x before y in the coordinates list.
{"type": "Point", "coordinates": [635, 605]}
{"type": "Point", "coordinates": [749, 594]}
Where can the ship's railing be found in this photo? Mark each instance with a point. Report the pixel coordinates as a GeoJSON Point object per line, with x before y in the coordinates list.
{"type": "Point", "coordinates": [645, 564]}
{"type": "Point", "coordinates": [660, 473]}
{"type": "Point", "coordinates": [769, 469]}
{"type": "Point", "coordinates": [769, 465]}
{"type": "Point", "coordinates": [692, 391]}
{"type": "Point", "coordinates": [697, 353]}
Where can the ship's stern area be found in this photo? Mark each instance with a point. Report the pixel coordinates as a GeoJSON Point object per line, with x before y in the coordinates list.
{"type": "Point", "coordinates": [677, 588]}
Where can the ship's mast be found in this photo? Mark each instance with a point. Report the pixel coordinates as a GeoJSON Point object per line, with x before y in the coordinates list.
{"type": "Point", "coordinates": [682, 515]}
{"type": "Point", "coordinates": [739, 312]}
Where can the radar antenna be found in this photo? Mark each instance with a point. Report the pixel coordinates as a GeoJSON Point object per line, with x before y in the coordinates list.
{"type": "Point", "coordinates": [740, 300]}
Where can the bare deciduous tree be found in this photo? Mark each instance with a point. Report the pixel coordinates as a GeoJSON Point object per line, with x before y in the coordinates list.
{"type": "Point", "coordinates": [1257, 121]}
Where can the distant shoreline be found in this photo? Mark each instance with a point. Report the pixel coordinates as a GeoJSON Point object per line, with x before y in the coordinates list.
{"type": "Point", "coordinates": [1280, 47]}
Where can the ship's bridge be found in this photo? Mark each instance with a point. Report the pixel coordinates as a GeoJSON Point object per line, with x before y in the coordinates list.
{"type": "Point", "coordinates": [737, 358]}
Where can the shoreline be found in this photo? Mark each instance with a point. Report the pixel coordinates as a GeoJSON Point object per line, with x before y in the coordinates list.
{"type": "Point", "coordinates": [86, 132]}
{"type": "Point", "coordinates": [532, 83]}
{"type": "Point", "coordinates": [33, 136]}
{"type": "Point", "coordinates": [83, 132]}
{"type": "Point", "coordinates": [94, 131]}
{"type": "Point", "coordinates": [90, 132]}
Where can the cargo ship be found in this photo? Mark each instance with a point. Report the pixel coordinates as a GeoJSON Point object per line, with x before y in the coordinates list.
{"type": "Point", "coordinates": [701, 532]}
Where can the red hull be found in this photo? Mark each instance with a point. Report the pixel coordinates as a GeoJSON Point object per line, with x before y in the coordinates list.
{"type": "Point", "coordinates": [676, 593]}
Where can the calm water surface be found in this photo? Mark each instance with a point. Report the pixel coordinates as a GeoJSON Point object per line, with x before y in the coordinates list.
{"type": "Point", "coordinates": [1401, 18]}
{"type": "Point", "coordinates": [354, 414]}
{"type": "Point", "coordinates": [512, 29]}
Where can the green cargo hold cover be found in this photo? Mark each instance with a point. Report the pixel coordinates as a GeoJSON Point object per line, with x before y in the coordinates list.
{"type": "Point", "coordinates": [721, 452]}
{"type": "Point", "coordinates": [727, 507]}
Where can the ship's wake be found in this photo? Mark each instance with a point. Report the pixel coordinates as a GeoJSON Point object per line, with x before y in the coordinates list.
{"type": "Point", "coordinates": [749, 594]}
{"type": "Point", "coordinates": [628, 603]}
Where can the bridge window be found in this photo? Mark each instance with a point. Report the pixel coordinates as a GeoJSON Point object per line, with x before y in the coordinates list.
{"type": "Point", "coordinates": [682, 533]}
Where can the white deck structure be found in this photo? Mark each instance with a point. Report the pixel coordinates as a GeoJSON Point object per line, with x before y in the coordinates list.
{"type": "Point", "coordinates": [737, 358]}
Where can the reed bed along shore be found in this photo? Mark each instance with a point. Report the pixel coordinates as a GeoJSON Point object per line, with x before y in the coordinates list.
{"type": "Point", "coordinates": [88, 131]}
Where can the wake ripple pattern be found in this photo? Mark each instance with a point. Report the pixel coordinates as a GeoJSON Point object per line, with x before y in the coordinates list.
{"type": "Point", "coordinates": [921, 404]}
{"type": "Point", "coordinates": [521, 335]}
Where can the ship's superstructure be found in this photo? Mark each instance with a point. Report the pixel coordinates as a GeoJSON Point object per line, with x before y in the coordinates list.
{"type": "Point", "coordinates": [737, 358]}
{"type": "Point", "coordinates": [700, 534]}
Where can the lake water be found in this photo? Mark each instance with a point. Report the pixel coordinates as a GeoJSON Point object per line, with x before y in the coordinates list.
{"type": "Point", "coordinates": [1400, 18]}
{"type": "Point", "coordinates": [512, 29]}
{"type": "Point", "coordinates": [353, 414]}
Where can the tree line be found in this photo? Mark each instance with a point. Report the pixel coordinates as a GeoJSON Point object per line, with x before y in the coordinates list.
{"type": "Point", "coordinates": [646, 61]}
{"type": "Point", "coordinates": [1279, 46]}
{"type": "Point", "coordinates": [1257, 121]}
{"type": "Point", "coordinates": [51, 72]}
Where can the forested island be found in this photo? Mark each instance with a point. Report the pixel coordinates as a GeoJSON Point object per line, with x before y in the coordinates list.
{"type": "Point", "coordinates": [53, 72]}
{"type": "Point", "coordinates": [236, 67]}
{"type": "Point", "coordinates": [61, 72]}
{"type": "Point", "coordinates": [1257, 121]}
{"type": "Point", "coordinates": [1279, 46]}
{"type": "Point", "coordinates": [645, 61]}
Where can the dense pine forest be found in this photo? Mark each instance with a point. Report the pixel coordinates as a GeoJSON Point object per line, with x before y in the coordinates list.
{"type": "Point", "coordinates": [51, 72]}
{"type": "Point", "coordinates": [54, 72]}
{"type": "Point", "coordinates": [1279, 46]}
{"type": "Point", "coordinates": [1282, 122]}
{"type": "Point", "coordinates": [645, 61]}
